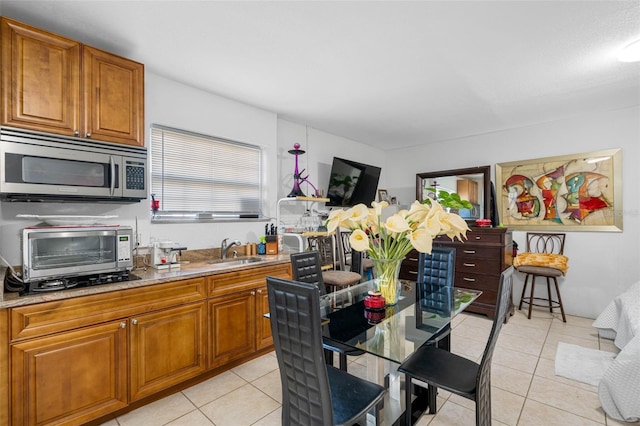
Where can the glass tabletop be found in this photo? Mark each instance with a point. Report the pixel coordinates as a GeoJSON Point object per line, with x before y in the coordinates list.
{"type": "Point", "coordinates": [393, 332]}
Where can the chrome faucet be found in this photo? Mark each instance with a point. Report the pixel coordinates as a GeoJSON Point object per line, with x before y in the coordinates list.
{"type": "Point", "coordinates": [224, 247]}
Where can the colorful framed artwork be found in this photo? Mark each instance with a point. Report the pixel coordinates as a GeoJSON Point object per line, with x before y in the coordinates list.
{"type": "Point", "coordinates": [580, 192]}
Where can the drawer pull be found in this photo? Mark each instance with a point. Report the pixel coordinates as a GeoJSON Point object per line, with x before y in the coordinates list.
{"type": "Point", "coordinates": [469, 279]}
{"type": "Point", "coordinates": [413, 258]}
{"type": "Point", "coordinates": [413, 272]}
{"type": "Point", "coordinates": [478, 237]}
{"type": "Point", "coordinates": [470, 251]}
{"type": "Point", "coordinates": [470, 265]}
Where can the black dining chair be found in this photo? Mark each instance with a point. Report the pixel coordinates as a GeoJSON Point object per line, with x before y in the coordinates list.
{"type": "Point", "coordinates": [436, 273]}
{"type": "Point", "coordinates": [440, 368]}
{"type": "Point", "coordinates": [313, 393]}
{"type": "Point", "coordinates": [305, 267]}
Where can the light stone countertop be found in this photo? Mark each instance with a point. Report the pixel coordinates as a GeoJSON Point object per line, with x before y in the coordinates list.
{"type": "Point", "coordinates": [191, 269]}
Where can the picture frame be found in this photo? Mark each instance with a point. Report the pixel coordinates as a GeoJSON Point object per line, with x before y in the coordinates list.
{"type": "Point", "coordinates": [577, 192]}
{"type": "Point", "coordinates": [383, 195]}
{"type": "Point", "coordinates": [393, 200]}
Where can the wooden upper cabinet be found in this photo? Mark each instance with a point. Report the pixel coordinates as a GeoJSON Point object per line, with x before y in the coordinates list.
{"type": "Point", "coordinates": [113, 97]}
{"type": "Point", "coordinates": [56, 85]}
{"type": "Point", "coordinates": [40, 79]}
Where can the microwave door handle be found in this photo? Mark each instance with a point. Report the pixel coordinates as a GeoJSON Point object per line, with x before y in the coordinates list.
{"type": "Point", "coordinates": [112, 184]}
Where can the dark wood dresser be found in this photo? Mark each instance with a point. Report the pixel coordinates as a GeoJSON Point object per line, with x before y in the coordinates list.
{"type": "Point", "coordinates": [480, 259]}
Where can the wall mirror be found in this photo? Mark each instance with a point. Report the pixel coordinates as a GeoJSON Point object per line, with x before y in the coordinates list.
{"type": "Point", "coordinates": [472, 184]}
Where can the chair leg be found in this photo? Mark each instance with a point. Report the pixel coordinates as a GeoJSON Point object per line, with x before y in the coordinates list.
{"type": "Point", "coordinates": [432, 393]}
{"type": "Point", "coordinates": [564, 319]}
{"type": "Point", "coordinates": [533, 285]}
{"type": "Point", "coordinates": [549, 295]}
{"type": "Point", "coordinates": [328, 357]}
{"type": "Point", "coordinates": [408, 390]}
{"type": "Point", "coordinates": [343, 361]}
{"type": "Point", "coordinates": [524, 289]}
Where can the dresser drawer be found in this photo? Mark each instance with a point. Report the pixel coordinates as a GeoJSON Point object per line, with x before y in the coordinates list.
{"type": "Point", "coordinates": [478, 266]}
{"type": "Point", "coordinates": [473, 237]}
{"type": "Point", "coordinates": [476, 281]}
{"type": "Point", "coordinates": [473, 252]}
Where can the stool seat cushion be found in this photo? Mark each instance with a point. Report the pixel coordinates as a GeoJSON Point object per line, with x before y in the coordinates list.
{"type": "Point", "coordinates": [340, 278]}
{"type": "Point", "coordinates": [540, 270]}
{"type": "Point", "coordinates": [545, 261]}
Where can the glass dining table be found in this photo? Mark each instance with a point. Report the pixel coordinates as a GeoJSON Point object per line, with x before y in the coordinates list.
{"type": "Point", "coordinates": [393, 333]}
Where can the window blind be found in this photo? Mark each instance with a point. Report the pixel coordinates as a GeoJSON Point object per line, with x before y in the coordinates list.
{"type": "Point", "coordinates": [194, 173]}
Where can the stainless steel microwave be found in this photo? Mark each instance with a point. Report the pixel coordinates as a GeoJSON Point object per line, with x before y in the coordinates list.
{"type": "Point", "coordinates": [60, 252]}
{"type": "Point", "coordinates": [36, 166]}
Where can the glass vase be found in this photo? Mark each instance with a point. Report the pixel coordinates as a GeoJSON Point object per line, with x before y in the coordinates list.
{"type": "Point", "coordinates": [386, 273]}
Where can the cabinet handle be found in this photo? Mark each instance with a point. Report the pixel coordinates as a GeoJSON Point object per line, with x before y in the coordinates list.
{"type": "Point", "coordinates": [260, 291]}
{"type": "Point", "coordinates": [413, 258]}
{"type": "Point", "coordinates": [88, 134]}
{"type": "Point", "coordinates": [478, 237]}
{"type": "Point", "coordinates": [123, 325]}
{"type": "Point", "coordinates": [134, 321]}
{"type": "Point", "coordinates": [469, 279]}
{"type": "Point", "coordinates": [470, 265]}
{"type": "Point", "coordinates": [470, 251]}
{"type": "Point", "coordinates": [253, 293]}
{"type": "Point", "coordinates": [413, 272]}
{"type": "Point", "coordinates": [76, 133]}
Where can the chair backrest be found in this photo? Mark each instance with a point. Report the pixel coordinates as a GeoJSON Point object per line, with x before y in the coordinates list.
{"type": "Point", "coordinates": [483, 380]}
{"type": "Point", "coordinates": [324, 246]}
{"type": "Point", "coordinates": [356, 261]}
{"type": "Point", "coordinates": [344, 250]}
{"type": "Point", "coordinates": [545, 242]}
{"type": "Point", "coordinates": [436, 273]}
{"type": "Point", "coordinates": [305, 267]}
{"type": "Point", "coordinates": [294, 310]}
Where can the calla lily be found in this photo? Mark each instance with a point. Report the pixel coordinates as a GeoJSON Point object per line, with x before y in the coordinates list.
{"type": "Point", "coordinates": [396, 224]}
{"type": "Point", "coordinates": [334, 219]}
{"type": "Point", "coordinates": [359, 240]}
{"type": "Point", "coordinates": [421, 240]}
{"type": "Point", "coordinates": [402, 231]}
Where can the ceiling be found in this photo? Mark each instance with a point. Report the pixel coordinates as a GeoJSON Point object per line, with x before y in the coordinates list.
{"type": "Point", "coordinates": [385, 73]}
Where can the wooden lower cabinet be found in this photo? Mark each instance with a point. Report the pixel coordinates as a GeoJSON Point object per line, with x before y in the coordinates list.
{"type": "Point", "coordinates": [75, 360]}
{"type": "Point", "coordinates": [69, 378]}
{"type": "Point", "coordinates": [263, 325]}
{"type": "Point", "coordinates": [231, 327]}
{"type": "Point", "coordinates": [167, 348]}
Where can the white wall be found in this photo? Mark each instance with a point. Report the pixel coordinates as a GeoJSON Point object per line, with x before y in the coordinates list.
{"type": "Point", "coordinates": [177, 105]}
{"type": "Point", "coordinates": [602, 264]}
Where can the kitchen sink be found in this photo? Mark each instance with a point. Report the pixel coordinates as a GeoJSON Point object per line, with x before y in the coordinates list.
{"type": "Point", "coordinates": [235, 261]}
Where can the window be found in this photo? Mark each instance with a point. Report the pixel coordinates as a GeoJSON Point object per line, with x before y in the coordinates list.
{"type": "Point", "coordinates": [197, 177]}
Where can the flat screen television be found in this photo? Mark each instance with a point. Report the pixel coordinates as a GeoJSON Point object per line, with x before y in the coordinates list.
{"type": "Point", "coordinates": [352, 183]}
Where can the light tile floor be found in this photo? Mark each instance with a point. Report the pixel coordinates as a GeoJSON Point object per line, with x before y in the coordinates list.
{"type": "Point", "coordinates": [525, 390]}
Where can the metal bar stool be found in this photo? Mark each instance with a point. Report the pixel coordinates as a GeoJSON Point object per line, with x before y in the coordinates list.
{"type": "Point", "coordinates": [544, 257]}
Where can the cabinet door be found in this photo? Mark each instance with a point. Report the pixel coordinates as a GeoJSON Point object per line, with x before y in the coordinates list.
{"type": "Point", "coordinates": [113, 97]}
{"type": "Point", "coordinates": [167, 347]}
{"type": "Point", "coordinates": [40, 80]}
{"type": "Point", "coordinates": [263, 325]}
{"type": "Point", "coordinates": [232, 327]}
{"type": "Point", "coordinates": [69, 378]}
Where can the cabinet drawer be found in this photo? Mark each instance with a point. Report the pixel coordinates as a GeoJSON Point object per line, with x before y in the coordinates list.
{"type": "Point", "coordinates": [472, 237]}
{"type": "Point", "coordinates": [478, 266]}
{"type": "Point", "coordinates": [409, 269]}
{"type": "Point", "coordinates": [472, 252]}
{"type": "Point", "coordinates": [61, 315]}
{"type": "Point", "coordinates": [230, 282]}
{"type": "Point", "coordinates": [477, 281]}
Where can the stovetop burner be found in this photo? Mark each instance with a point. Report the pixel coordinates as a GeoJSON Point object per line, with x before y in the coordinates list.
{"type": "Point", "coordinates": [82, 281]}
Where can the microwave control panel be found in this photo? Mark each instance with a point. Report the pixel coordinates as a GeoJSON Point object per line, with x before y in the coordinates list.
{"type": "Point", "coordinates": [124, 248]}
{"type": "Point", "coordinates": [134, 173]}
